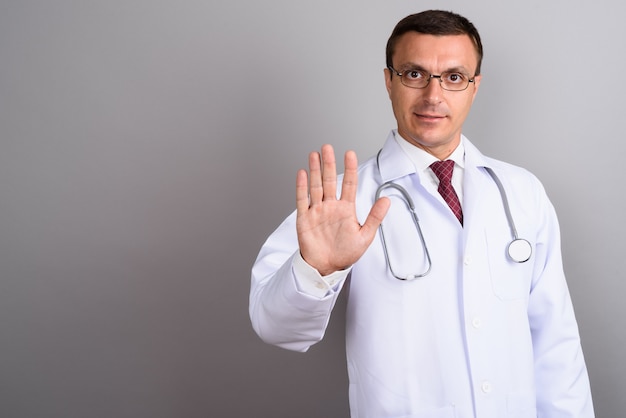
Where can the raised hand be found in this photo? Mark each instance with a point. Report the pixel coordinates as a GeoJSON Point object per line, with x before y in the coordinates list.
{"type": "Point", "coordinates": [329, 233]}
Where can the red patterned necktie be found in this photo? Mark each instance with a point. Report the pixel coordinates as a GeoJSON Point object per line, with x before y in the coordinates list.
{"type": "Point", "coordinates": [443, 170]}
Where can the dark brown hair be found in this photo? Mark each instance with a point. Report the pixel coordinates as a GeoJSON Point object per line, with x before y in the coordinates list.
{"type": "Point", "coordinates": [435, 22]}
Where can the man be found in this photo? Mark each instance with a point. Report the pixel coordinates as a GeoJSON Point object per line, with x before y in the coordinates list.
{"type": "Point", "coordinates": [444, 326]}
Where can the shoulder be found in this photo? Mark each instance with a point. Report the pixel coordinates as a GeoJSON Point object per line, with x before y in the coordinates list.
{"type": "Point", "coordinates": [507, 172]}
{"type": "Point", "coordinates": [516, 176]}
{"type": "Point", "coordinates": [522, 187]}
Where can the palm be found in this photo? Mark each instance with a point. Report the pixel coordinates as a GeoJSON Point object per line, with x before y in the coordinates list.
{"type": "Point", "coordinates": [329, 234]}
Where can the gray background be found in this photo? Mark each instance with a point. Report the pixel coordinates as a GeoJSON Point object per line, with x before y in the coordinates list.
{"type": "Point", "coordinates": [149, 147]}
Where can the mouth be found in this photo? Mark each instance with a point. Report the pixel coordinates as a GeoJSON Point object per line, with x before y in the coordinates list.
{"type": "Point", "coordinates": [429, 117]}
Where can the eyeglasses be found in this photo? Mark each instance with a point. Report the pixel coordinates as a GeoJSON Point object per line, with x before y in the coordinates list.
{"type": "Point", "coordinates": [419, 79]}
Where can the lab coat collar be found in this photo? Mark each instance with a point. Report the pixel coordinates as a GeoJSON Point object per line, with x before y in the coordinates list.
{"type": "Point", "coordinates": [473, 157]}
{"type": "Point", "coordinates": [394, 163]}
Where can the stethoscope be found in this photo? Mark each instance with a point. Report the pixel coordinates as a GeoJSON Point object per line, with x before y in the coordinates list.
{"type": "Point", "coordinates": [519, 249]}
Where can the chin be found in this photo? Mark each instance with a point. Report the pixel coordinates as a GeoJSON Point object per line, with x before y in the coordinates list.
{"type": "Point", "coordinates": [425, 140]}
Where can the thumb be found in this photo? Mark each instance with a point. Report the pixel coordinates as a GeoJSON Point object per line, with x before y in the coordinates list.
{"type": "Point", "coordinates": [375, 217]}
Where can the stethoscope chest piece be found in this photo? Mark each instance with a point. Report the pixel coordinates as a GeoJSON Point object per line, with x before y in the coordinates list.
{"type": "Point", "coordinates": [519, 250]}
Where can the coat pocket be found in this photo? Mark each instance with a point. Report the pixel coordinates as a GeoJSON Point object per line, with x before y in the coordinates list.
{"type": "Point", "coordinates": [445, 412]}
{"type": "Point", "coordinates": [510, 280]}
{"type": "Point", "coordinates": [521, 406]}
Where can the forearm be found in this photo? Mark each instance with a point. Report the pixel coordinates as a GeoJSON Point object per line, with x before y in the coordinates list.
{"type": "Point", "coordinates": [284, 316]}
{"type": "Point", "coordinates": [561, 378]}
{"type": "Point", "coordinates": [290, 306]}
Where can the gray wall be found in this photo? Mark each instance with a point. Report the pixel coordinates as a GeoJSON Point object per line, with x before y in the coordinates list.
{"type": "Point", "coordinates": [147, 148]}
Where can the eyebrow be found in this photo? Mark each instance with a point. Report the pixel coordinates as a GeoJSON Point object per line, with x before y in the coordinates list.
{"type": "Point", "coordinates": [412, 66]}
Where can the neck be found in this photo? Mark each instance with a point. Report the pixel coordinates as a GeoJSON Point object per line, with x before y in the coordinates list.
{"type": "Point", "coordinates": [440, 151]}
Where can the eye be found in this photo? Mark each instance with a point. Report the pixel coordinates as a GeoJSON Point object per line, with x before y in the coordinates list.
{"type": "Point", "coordinates": [414, 75]}
{"type": "Point", "coordinates": [454, 78]}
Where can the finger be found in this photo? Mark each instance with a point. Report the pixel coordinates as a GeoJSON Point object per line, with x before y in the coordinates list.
{"type": "Point", "coordinates": [375, 217]}
{"type": "Point", "coordinates": [302, 191]}
{"type": "Point", "coordinates": [329, 174]}
{"type": "Point", "coordinates": [350, 177]}
{"type": "Point", "coordinates": [315, 178]}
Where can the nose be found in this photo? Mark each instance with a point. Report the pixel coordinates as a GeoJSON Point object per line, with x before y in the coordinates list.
{"type": "Point", "coordinates": [433, 91]}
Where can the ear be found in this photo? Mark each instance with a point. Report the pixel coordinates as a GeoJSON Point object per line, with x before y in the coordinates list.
{"type": "Point", "coordinates": [476, 83]}
{"type": "Point", "coordinates": [388, 76]}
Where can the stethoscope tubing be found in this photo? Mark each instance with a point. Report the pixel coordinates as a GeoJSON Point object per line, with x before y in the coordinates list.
{"type": "Point", "coordinates": [416, 221]}
{"type": "Point", "coordinates": [519, 249]}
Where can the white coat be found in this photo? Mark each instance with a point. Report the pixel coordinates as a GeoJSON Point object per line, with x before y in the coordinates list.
{"type": "Point", "coordinates": [479, 337]}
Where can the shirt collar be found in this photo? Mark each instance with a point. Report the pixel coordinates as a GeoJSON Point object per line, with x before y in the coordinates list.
{"type": "Point", "coordinates": [422, 160]}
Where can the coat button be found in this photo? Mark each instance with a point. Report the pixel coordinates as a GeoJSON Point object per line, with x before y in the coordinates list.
{"type": "Point", "coordinates": [476, 323]}
{"type": "Point", "coordinates": [467, 260]}
{"type": "Point", "coordinates": [486, 387]}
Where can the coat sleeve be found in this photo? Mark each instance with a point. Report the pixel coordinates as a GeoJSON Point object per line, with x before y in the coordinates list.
{"type": "Point", "coordinates": [561, 379]}
{"type": "Point", "coordinates": [280, 312]}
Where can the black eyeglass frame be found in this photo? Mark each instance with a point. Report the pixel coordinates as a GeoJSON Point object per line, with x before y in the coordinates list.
{"type": "Point", "coordinates": [430, 76]}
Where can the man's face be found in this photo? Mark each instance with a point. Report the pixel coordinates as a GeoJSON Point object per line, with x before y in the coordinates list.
{"type": "Point", "coordinates": [431, 118]}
